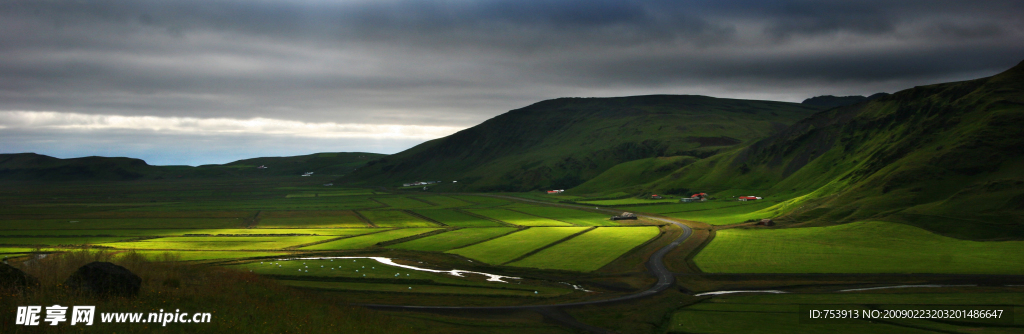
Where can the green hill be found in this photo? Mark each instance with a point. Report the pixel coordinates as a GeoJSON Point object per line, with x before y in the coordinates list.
{"type": "Point", "coordinates": [945, 157]}
{"type": "Point", "coordinates": [319, 163]}
{"type": "Point", "coordinates": [37, 167]}
{"type": "Point", "coordinates": [565, 142]}
{"type": "Point", "coordinates": [829, 101]}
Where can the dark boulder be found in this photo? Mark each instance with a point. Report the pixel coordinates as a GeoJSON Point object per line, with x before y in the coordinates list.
{"type": "Point", "coordinates": [105, 278]}
{"type": "Point", "coordinates": [11, 277]}
{"type": "Point", "coordinates": [766, 222]}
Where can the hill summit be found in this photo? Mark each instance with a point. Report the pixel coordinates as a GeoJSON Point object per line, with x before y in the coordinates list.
{"type": "Point", "coordinates": [564, 142]}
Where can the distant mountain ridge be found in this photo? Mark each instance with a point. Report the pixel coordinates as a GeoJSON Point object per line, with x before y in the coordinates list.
{"type": "Point", "coordinates": [564, 142]}
{"type": "Point", "coordinates": [829, 101]}
{"type": "Point", "coordinates": [38, 167]}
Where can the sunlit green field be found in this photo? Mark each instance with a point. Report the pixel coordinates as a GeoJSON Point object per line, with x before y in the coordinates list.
{"type": "Point", "coordinates": [81, 223]}
{"type": "Point", "coordinates": [517, 218]}
{"type": "Point", "coordinates": [453, 239]}
{"type": "Point", "coordinates": [185, 232]}
{"type": "Point", "coordinates": [368, 240]}
{"type": "Point", "coordinates": [183, 255]}
{"type": "Point", "coordinates": [590, 251]}
{"type": "Point", "coordinates": [515, 245]}
{"type": "Point", "coordinates": [394, 218]}
{"type": "Point", "coordinates": [456, 218]}
{"type": "Point", "coordinates": [444, 201]}
{"type": "Point", "coordinates": [220, 243]}
{"type": "Point", "coordinates": [576, 217]}
{"type": "Point", "coordinates": [863, 247]}
{"type": "Point", "coordinates": [402, 202]}
{"type": "Point", "coordinates": [310, 219]}
{"type": "Point", "coordinates": [732, 213]}
{"type": "Point", "coordinates": [482, 201]}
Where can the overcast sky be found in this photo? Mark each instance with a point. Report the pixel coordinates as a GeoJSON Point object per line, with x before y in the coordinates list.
{"type": "Point", "coordinates": [212, 81]}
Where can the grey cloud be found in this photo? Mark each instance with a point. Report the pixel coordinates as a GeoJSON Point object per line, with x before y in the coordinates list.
{"type": "Point", "coordinates": [463, 61]}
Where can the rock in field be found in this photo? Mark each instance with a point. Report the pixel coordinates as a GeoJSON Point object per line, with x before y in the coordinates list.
{"type": "Point", "coordinates": [105, 278]}
{"type": "Point", "coordinates": [11, 277]}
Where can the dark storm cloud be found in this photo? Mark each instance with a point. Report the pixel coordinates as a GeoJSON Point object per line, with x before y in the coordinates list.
{"type": "Point", "coordinates": [456, 63]}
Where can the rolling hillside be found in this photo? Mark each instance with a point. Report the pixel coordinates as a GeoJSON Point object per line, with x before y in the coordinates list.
{"type": "Point", "coordinates": [945, 157]}
{"type": "Point", "coordinates": [564, 142]}
{"type": "Point", "coordinates": [37, 167]}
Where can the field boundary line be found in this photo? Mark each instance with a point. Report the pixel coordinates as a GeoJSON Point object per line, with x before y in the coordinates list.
{"type": "Point", "coordinates": [420, 200]}
{"type": "Point", "coordinates": [467, 201]}
{"type": "Point", "coordinates": [538, 250]}
{"type": "Point", "coordinates": [415, 236]}
{"type": "Point", "coordinates": [414, 214]}
{"type": "Point", "coordinates": [491, 238]}
{"type": "Point", "coordinates": [530, 214]}
{"type": "Point", "coordinates": [503, 223]}
{"type": "Point", "coordinates": [251, 223]}
{"type": "Point", "coordinates": [425, 201]}
{"type": "Point", "coordinates": [364, 219]}
{"type": "Point", "coordinates": [385, 205]}
{"type": "Point", "coordinates": [296, 247]}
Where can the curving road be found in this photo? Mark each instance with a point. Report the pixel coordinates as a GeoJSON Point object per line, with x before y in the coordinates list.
{"type": "Point", "coordinates": [655, 265]}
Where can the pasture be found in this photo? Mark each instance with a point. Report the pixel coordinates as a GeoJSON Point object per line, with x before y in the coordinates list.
{"type": "Point", "coordinates": [591, 250]}
{"type": "Point", "coordinates": [402, 202]}
{"type": "Point", "coordinates": [515, 245]}
{"type": "Point", "coordinates": [330, 193]}
{"type": "Point", "coordinates": [137, 223]}
{"type": "Point", "coordinates": [693, 206]}
{"type": "Point", "coordinates": [369, 240]}
{"type": "Point", "coordinates": [453, 239]}
{"type": "Point", "coordinates": [394, 218]}
{"type": "Point", "coordinates": [863, 247]}
{"type": "Point", "coordinates": [628, 201]}
{"type": "Point", "coordinates": [369, 275]}
{"type": "Point", "coordinates": [310, 219]}
{"type": "Point", "coordinates": [220, 243]}
{"type": "Point", "coordinates": [575, 217]}
{"type": "Point", "coordinates": [481, 201]}
{"type": "Point", "coordinates": [517, 218]}
{"type": "Point", "coordinates": [55, 241]}
{"type": "Point", "coordinates": [187, 255]}
{"type": "Point", "coordinates": [444, 201]}
{"type": "Point", "coordinates": [417, 288]}
{"type": "Point", "coordinates": [185, 232]}
{"type": "Point", "coordinates": [736, 213]}
{"type": "Point", "coordinates": [456, 218]}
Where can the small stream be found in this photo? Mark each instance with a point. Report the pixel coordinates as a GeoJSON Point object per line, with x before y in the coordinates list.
{"type": "Point", "coordinates": [716, 293]}
{"type": "Point", "coordinates": [388, 261]}
{"type": "Point", "coordinates": [729, 292]}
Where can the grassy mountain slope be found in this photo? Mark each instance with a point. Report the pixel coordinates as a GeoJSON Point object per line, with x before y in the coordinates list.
{"type": "Point", "coordinates": [319, 163]}
{"type": "Point", "coordinates": [631, 174]}
{"type": "Point", "coordinates": [945, 157]}
{"type": "Point", "coordinates": [37, 167]}
{"type": "Point", "coordinates": [564, 142]}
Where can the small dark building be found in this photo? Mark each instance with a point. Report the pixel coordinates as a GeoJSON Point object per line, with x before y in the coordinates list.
{"type": "Point", "coordinates": [766, 222]}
